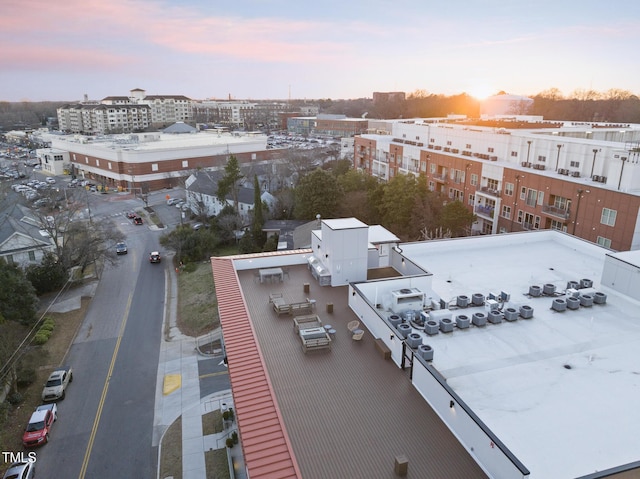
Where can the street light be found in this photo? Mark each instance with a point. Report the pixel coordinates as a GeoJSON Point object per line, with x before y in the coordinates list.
{"type": "Point", "coordinates": [516, 194]}
{"type": "Point", "coordinates": [575, 219]}
{"type": "Point", "coordinates": [624, 160]}
{"type": "Point", "coordinates": [558, 157]}
{"type": "Point", "coordinates": [595, 152]}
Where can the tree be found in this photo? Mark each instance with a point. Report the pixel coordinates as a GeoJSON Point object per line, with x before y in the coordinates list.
{"type": "Point", "coordinates": [457, 219]}
{"type": "Point", "coordinates": [47, 276]}
{"type": "Point", "coordinates": [259, 236]}
{"type": "Point", "coordinates": [18, 300]}
{"type": "Point", "coordinates": [230, 183]}
{"type": "Point", "coordinates": [397, 203]}
{"type": "Point", "coordinates": [317, 193]}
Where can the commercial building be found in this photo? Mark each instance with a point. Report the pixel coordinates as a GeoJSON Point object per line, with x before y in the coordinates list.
{"type": "Point", "coordinates": [519, 368]}
{"type": "Point", "coordinates": [520, 173]}
{"type": "Point", "coordinates": [153, 160]}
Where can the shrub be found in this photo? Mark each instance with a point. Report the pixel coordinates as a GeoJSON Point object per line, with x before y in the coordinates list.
{"type": "Point", "coordinates": [16, 398]}
{"type": "Point", "coordinates": [48, 325]}
{"type": "Point", "coordinates": [25, 377]}
{"type": "Point", "coordinates": [229, 442]}
{"type": "Point", "coordinates": [41, 337]}
{"type": "Point", "coordinates": [189, 267]}
{"type": "Point", "coordinates": [234, 437]}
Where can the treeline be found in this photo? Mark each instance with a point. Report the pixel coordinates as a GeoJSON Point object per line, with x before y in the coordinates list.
{"type": "Point", "coordinates": [614, 106]}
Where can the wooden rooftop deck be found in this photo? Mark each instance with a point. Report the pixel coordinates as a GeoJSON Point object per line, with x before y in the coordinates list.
{"type": "Point", "coordinates": [347, 411]}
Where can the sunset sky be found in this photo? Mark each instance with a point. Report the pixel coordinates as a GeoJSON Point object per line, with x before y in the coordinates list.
{"type": "Point", "coordinates": [275, 49]}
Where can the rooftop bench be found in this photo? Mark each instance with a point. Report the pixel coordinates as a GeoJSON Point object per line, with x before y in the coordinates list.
{"type": "Point", "coordinates": [316, 343]}
{"type": "Point", "coordinates": [306, 322]}
{"type": "Point", "coordinates": [293, 309]}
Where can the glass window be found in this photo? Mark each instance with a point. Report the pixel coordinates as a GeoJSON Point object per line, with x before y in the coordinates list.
{"type": "Point", "coordinates": [606, 242]}
{"type": "Point", "coordinates": [508, 189]}
{"type": "Point", "coordinates": [32, 255]}
{"type": "Point", "coordinates": [608, 217]}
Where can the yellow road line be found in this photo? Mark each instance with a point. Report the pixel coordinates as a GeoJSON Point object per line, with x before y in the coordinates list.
{"type": "Point", "coordinates": [213, 374]}
{"type": "Point", "coordinates": [96, 421]}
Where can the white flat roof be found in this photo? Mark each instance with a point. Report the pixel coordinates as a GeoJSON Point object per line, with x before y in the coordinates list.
{"type": "Point", "coordinates": [561, 389]}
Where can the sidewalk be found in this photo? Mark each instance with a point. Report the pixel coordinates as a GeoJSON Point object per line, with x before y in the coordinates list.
{"type": "Point", "coordinates": [178, 394]}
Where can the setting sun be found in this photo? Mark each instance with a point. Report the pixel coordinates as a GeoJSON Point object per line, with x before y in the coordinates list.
{"type": "Point", "coordinates": [481, 91]}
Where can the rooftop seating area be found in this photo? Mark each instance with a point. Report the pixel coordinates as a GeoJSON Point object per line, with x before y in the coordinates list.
{"type": "Point", "coordinates": [384, 416]}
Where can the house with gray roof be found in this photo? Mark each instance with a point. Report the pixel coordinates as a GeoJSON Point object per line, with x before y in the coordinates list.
{"type": "Point", "coordinates": [23, 241]}
{"type": "Point", "coordinates": [201, 195]}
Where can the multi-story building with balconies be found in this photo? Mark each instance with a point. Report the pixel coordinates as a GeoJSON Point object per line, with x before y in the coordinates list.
{"type": "Point", "coordinates": [122, 114]}
{"type": "Point", "coordinates": [521, 173]}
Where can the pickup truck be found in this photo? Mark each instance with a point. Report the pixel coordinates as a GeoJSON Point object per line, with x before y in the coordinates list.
{"type": "Point", "coordinates": [57, 384]}
{"type": "Point", "coordinates": [37, 431]}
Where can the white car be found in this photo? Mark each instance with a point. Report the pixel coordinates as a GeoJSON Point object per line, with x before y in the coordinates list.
{"type": "Point", "coordinates": [21, 470]}
{"type": "Point", "coordinates": [173, 201]}
{"type": "Point", "coordinates": [50, 180]}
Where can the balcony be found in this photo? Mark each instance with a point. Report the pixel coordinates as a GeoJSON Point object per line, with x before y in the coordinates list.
{"type": "Point", "coordinates": [555, 211]}
{"type": "Point", "coordinates": [440, 177]}
{"type": "Point", "coordinates": [489, 191]}
{"type": "Point", "coordinates": [485, 210]}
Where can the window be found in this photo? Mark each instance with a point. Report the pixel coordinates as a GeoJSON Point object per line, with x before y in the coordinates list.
{"type": "Point", "coordinates": [528, 221]}
{"type": "Point", "coordinates": [542, 159]}
{"type": "Point", "coordinates": [506, 212]}
{"type": "Point", "coordinates": [520, 214]}
{"type": "Point", "coordinates": [468, 146]}
{"type": "Point", "coordinates": [575, 164]}
{"type": "Point", "coordinates": [154, 166]}
{"type": "Point", "coordinates": [559, 226]}
{"type": "Point", "coordinates": [536, 223]}
{"type": "Point", "coordinates": [490, 150]}
{"type": "Point", "coordinates": [608, 217]}
{"type": "Point", "coordinates": [97, 162]}
{"type": "Point", "coordinates": [514, 153]}
{"type": "Point", "coordinates": [492, 184]}
{"type": "Point", "coordinates": [540, 197]}
{"type": "Point", "coordinates": [448, 143]}
{"type": "Point", "coordinates": [606, 242]}
{"type": "Point", "coordinates": [472, 199]}
{"type": "Point", "coordinates": [109, 165]}
{"type": "Point", "coordinates": [32, 255]}
{"type": "Point", "coordinates": [474, 179]}
{"type": "Point", "coordinates": [508, 189]}
{"type": "Point", "coordinates": [532, 197]}
{"type": "Point", "coordinates": [523, 193]}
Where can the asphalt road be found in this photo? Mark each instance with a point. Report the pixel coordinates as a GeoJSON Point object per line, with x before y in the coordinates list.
{"type": "Point", "coordinates": [106, 421]}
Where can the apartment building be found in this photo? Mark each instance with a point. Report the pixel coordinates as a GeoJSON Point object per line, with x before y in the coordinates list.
{"type": "Point", "coordinates": [520, 173]}
{"type": "Point", "coordinates": [123, 114]}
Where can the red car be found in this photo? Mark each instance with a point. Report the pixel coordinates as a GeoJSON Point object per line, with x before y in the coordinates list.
{"type": "Point", "coordinates": [137, 220]}
{"type": "Point", "coordinates": [131, 215]}
{"type": "Point", "coordinates": [37, 431]}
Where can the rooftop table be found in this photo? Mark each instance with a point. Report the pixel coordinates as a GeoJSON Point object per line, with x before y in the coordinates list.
{"type": "Point", "coordinates": [271, 273]}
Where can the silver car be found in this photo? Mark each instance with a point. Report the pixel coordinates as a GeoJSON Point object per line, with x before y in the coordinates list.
{"type": "Point", "coordinates": [21, 470]}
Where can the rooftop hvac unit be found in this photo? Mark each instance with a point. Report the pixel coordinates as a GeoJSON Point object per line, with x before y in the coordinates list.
{"type": "Point", "coordinates": [504, 296]}
{"type": "Point", "coordinates": [573, 293]}
{"type": "Point", "coordinates": [595, 178]}
{"type": "Point", "coordinates": [575, 174]}
{"type": "Point", "coordinates": [603, 179]}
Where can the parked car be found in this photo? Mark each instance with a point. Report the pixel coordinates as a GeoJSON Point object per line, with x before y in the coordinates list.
{"type": "Point", "coordinates": [21, 470]}
{"type": "Point", "coordinates": [131, 215]}
{"type": "Point", "coordinates": [50, 180]}
{"type": "Point", "coordinates": [173, 201]}
{"type": "Point", "coordinates": [137, 220]}
{"type": "Point", "coordinates": [154, 257]}
{"type": "Point", "coordinates": [57, 384]}
{"type": "Point", "coordinates": [37, 431]}
{"type": "Point", "coordinates": [121, 247]}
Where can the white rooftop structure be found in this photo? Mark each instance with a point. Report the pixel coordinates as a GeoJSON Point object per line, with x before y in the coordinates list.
{"type": "Point", "coordinates": [560, 389]}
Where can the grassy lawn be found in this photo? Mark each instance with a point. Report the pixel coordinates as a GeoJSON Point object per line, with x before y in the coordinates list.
{"type": "Point", "coordinates": [197, 305]}
{"type": "Point", "coordinates": [171, 456]}
{"type": "Point", "coordinates": [216, 464]}
{"type": "Point", "coordinates": [212, 423]}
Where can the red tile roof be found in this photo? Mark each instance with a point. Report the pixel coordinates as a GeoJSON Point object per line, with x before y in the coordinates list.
{"type": "Point", "coordinates": [267, 451]}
